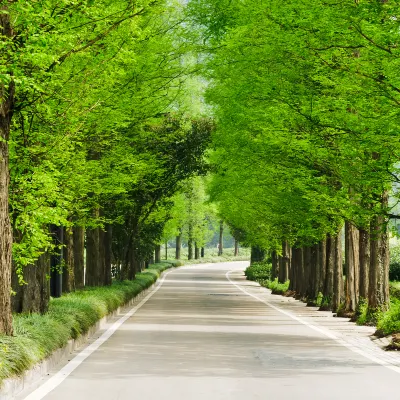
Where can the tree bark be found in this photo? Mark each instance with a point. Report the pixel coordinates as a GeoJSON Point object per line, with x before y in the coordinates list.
{"type": "Point", "coordinates": [92, 257]}
{"type": "Point", "coordinates": [196, 252]}
{"type": "Point", "coordinates": [190, 243]}
{"type": "Point", "coordinates": [6, 112]}
{"type": "Point", "coordinates": [108, 255]}
{"type": "Point", "coordinates": [202, 252]}
{"type": "Point", "coordinates": [178, 247]}
{"type": "Point", "coordinates": [236, 248]}
{"type": "Point", "coordinates": [364, 263]}
{"type": "Point", "coordinates": [330, 263]}
{"type": "Point", "coordinates": [284, 263]}
{"type": "Point", "coordinates": [157, 253]}
{"type": "Point", "coordinates": [34, 295]}
{"type": "Point", "coordinates": [166, 250]}
{"type": "Point", "coordinates": [221, 239]}
{"type": "Point", "coordinates": [68, 277]}
{"type": "Point", "coordinates": [79, 256]}
{"type": "Point", "coordinates": [275, 264]}
{"type": "Point", "coordinates": [352, 259]}
{"type": "Point", "coordinates": [305, 291]}
{"type": "Point", "coordinates": [322, 265]}
{"type": "Point", "coordinates": [337, 272]}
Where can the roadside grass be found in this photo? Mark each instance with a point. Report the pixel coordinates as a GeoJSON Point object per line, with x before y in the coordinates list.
{"type": "Point", "coordinates": [38, 336]}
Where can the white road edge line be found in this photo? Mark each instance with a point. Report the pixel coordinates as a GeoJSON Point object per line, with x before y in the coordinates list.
{"type": "Point", "coordinates": [61, 375]}
{"type": "Point", "coordinates": [319, 329]}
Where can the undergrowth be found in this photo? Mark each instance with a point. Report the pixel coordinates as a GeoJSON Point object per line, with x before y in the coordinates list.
{"type": "Point", "coordinates": [38, 336]}
{"type": "Point", "coordinates": [261, 272]}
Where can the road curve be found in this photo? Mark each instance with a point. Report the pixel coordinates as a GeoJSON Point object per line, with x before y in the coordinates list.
{"type": "Point", "coordinates": [206, 333]}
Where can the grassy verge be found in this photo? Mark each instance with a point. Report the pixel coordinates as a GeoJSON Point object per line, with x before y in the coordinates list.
{"type": "Point", "coordinates": [211, 256]}
{"type": "Point", "coordinates": [38, 336]}
{"type": "Point", "coordinates": [261, 273]}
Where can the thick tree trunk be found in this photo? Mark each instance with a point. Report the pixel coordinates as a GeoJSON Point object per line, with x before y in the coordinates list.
{"type": "Point", "coordinates": [34, 296]}
{"type": "Point", "coordinates": [79, 256]}
{"type": "Point", "coordinates": [364, 246]}
{"type": "Point", "coordinates": [352, 259]}
{"type": "Point", "coordinates": [68, 277]}
{"type": "Point", "coordinates": [297, 259]}
{"type": "Point", "coordinates": [6, 112]}
{"type": "Point", "coordinates": [196, 252]}
{"type": "Point", "coordinates": [221, 239]}
{"type": "Point", "coordinates": [178, 247]}
{"type": "Point", "coordinates": [108, 255]}
{"type": "Point", "coordinates": [157, 253]}
{"type": "Point", "coordinates": [92, 257]}
{"type": "Point", "coordinates": [236, 248]}
{"type": "Point", "coordinates": [337, 294]}
{"type": "Point", "coordinates": [378, 296]}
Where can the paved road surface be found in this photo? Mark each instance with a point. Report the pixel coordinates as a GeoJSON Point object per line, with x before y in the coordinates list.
{"type": "Point", "coordinates": [201, 336]}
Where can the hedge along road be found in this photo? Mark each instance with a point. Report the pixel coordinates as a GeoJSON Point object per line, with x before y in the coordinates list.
{"type": "Point", "coordinates": [206, 332]}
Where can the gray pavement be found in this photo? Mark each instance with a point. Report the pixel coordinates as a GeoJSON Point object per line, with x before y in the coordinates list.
{"type": "Point", "coordinates": [204, 336]}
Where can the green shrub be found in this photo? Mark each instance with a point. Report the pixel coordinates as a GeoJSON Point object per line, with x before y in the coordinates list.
{"type": "Point", "coordinates": [389, 321]}
{"type": "Point", "coordinates": [278, 288]}
{"type": "Point", "coordinates": [259, 272]}
{"type": "Point", "coordinates": [38, 336]}
{"type": "Point", "coordinates": [394, 271]}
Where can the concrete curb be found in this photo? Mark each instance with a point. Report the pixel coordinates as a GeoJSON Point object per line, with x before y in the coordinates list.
{"type": "Point", "coordinates": [12, 387]}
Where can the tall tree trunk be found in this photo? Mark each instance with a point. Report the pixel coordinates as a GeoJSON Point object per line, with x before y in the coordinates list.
{"type": "Point", "coordinates": [284, 263]}
{"type": "Point", "coordinates": [202, 252]}
{"type": "Point", "coordinates": [56, 261]}
{"type": "Point", "coordinates": [352, 259]}
{"type": "Point", "coordinates": [190, 242]}
{"type": "Point", "coordinates": [322, 265]}
{"type": "Point", "coordinates": [166, 250]}
{"type": "Point", "coordinates": [6, 112]}
{"type": "Point", "coordinates": [294, 269]}
{"type": "Point", "coordinates": [79, 256]}
{"type": "Point", "coordinates": [337, 273]}
{"type": "Point", "coordinates": [221, 238]}
{"type": "Point", "coordinates": [34, 296]}
{"type": "Point", "coordinates": [378, 296]}
{"type": "Point", "coordinates": [330, 265]}
{"type": "Point", "coordinates": [275, 264]}
{"type": "Point", "coordinates": [236, 248]}
{"type": "Point", "coordinates": [108, 255]}
{"type": "Point", "coordinates": [102, 257]}
{"type": "Point", "coordinates": [92, 257]}
{"type": "Point", "coordinates": [69, 263]}
{"type": "Point", "coordinates": [313, 273]}
{"type": "Point", "coordinates": [196, 252]}
{"type": "Point", "coordinates": [364, 247]}
{"type": "Point", "coordinates": [306, 272]}
{"type": "Point", "coordinates": [178, 246]}
{"type": "Point", "coordinates": [158, 254]}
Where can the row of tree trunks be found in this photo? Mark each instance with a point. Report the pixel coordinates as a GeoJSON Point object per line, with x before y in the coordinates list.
{"type": "Point", "coordinates": [257, 254]}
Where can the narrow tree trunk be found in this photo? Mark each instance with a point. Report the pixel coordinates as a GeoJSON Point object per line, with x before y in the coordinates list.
{"type": "Point", "coordinates": [102, 257]}
{"type": "Point", "coordinates": [196, 252]}
{"type": "Point", "coordinates": [158, 253]}
{"type": "Point", "coordinates": [6, 112]}
{"type": "Point", "coordinates": [352, 258]}
{"type": "Point", "coordinates": [275, 265]}
{"type": "Point", "coordinates": [202, 252]}
{"type": "Point", "coordinates": [236, 248]}
{"type": "Point", "coordinates": [178, 247]}
{"type": "Point", "coordinates": [364, 263]}
{"type": "Point", "coordinates": [56, 261]}
{"type": "Point", "coordinates": [306, 272]}
{"type": "Point", "coordinates": [337, 273]}
{"type": "Point", "coordinates": [108, 255]}
{"type": "Point", "coordinates": [79, 256]}
{"type": "Point", "coordinates": [284, 263]}
{"type": "Point", "coordinates": [322, 265]}
{"type": "Point", "coordinates": [190, 243]}
{"type": "Point", "coordinates": [68, 277]}
{"type": "Point", "coordinates": [313, 274]}
{"type": "Point", "coordinates": [221, 238]}
{"type": "Point", "coordinates": [92, 257]}
{"type": "Point", "coordinates": [330, 263]}
{"type": "Point", "coordinates": [166, 250]}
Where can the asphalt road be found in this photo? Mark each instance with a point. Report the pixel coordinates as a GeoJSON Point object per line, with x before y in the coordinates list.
{"type": "Point", "coordinates": [204, 336]}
